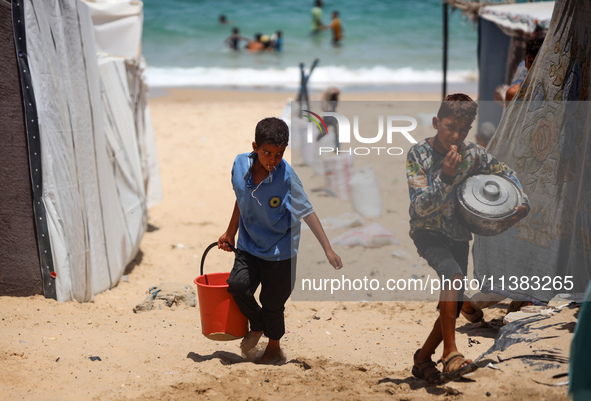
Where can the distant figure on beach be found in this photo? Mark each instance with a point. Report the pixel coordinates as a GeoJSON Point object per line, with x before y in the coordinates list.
{"type": "Point", "coordinates": [233, 41]}
{"type": "Point", "coordinates": [223, 20]}
{"type": "Point", "coordinates": [532, 47]}
{"type": "Point", "coordinates": [505, 93]}
{"type": "Point", "coordinates": [328, 102]}
{"type": "Point", "coordinates": [277, 41]}
{"type": "Point", "coordinates": [256, 44]}
{"type": "Point", "coordinates": [337, 29]}
{"type": "Point", "coordinates": [434, 168]}
{"type": "Point", "coordinates": [266, 41]}
{"type": "Point", "coordinates": [485, 133]}
{"type": "Point", "coordinates": [270, 202]}
{"type": "Point", "coordinates": [316, 12]}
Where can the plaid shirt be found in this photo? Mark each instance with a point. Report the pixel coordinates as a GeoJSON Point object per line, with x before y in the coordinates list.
{"type": "Point", "coordinates": [433, 196]}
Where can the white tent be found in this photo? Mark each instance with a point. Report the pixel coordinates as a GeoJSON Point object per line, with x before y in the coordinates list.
{"type": "Point", "coordinates": [91, 144]}
{"type": "Point", "coordinates": [524, 17]}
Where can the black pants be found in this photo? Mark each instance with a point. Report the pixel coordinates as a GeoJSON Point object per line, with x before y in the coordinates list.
{"type": "Point", "coordinates": [277, 280]}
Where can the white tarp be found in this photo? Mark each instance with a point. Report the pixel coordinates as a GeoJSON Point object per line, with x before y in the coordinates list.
{"type": "Point", "coordinates": [138, 90]}
{"type": "Point", "coordinates": [118, 33]}
{"type": "Point", "coordinates": [519, 17]}
{"type": "Point", "coordinates": [117, 26]}
{"type": "Point", "coordinates": [125, 215]}
{"type": "Point", "coordinates": [93, 186]}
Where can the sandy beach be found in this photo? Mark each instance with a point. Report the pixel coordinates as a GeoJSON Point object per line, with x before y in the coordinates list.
{"type": "Point", "coordinates": [102, 350]}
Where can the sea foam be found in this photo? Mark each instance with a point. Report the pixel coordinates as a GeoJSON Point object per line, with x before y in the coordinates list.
{"type": "Point", "coordinates": [289, 78]}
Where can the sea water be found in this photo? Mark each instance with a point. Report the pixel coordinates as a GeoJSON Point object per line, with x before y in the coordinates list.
{"type": "Point", "coordinates": [387, 42]}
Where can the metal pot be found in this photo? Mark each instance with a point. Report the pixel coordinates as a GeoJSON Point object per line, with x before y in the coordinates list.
{"type": "Point", "coordinates": [485, 200]}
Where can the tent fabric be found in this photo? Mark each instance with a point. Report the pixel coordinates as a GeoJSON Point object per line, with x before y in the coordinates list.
{"type": "Point", "coordinates": [117, 32]}
{"type": "Point", "coordinates": [492, 61]}
{"type": "Point", "coordinates": [579, 386]}
{"type": "Point", "coordinates": [94, 180]}
{"type": "Point", "coordinates": [65, 80]}
{"type": "Point", "coordinates": [19, 258]}
{"type": "Point", "coordinates": [545, 136]}
{"type": "Point", "coordinates": [117, 27]}
{"type": "Point", "coordinates": [138, 90]}
{"type": "Point", "coordinates": [523, 17]}
{"type": "Point", "coordinates": [123, 204]}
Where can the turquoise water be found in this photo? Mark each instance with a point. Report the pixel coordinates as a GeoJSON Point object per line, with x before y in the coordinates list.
{"type": "Point", "coordinates": [386, 42]}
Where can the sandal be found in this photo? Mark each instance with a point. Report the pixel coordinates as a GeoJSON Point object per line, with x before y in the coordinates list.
{"type": "Point", "coordinates": [426, 370]}
{"type": "Point", "coordinates": [452, 369]}
{"type": "Point", "coordinates": [474, 317]}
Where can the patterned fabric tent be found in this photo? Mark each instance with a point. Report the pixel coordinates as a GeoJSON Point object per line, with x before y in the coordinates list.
{"type": "Point", "coordinates": [545, 135]}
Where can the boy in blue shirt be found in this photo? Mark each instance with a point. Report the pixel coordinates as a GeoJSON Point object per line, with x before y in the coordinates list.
{"type": "Point", "coordinates": [434, 168]}
{"type": "Point", "coordinates": [270, 201]}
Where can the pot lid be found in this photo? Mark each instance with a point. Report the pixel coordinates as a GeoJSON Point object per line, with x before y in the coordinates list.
{"type": "Point", "coordinates": [489, 195]}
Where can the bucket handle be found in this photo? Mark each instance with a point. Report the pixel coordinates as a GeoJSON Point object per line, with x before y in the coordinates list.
{"type": "Point", "coordinates": [205, 254]}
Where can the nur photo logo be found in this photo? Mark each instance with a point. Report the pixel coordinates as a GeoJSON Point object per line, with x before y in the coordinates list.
{"type": "Point", "coordinates": [389, 129]}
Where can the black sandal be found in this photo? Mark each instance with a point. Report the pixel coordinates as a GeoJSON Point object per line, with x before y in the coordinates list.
{"type": "Point", "coordinates": [426, 370]}
{"type": "Point", "coordinates": [474, 317]}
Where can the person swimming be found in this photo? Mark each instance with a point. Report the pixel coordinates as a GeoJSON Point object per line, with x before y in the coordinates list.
{"type": "Point", "coordinates": [233, 41]}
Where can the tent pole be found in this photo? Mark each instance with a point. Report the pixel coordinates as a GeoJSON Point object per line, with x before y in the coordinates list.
{"type": "Point", "coordinates": [445, 29]}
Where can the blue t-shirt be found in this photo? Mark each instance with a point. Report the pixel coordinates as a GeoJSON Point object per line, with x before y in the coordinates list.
{"type": "Point", "coordinates": [270, 212]}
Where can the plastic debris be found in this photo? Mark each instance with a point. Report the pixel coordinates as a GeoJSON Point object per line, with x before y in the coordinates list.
{"type": "Point", "coordinates": [373, 235]}
{"type": "Point", "coordinates": [167, 294]}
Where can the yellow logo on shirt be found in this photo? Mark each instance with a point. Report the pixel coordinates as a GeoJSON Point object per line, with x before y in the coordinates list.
{"type": "Point", "coordinates": [275, 201]}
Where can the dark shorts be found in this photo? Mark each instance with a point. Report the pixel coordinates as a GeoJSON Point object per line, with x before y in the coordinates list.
{"type": "Point", "coordinates": [446, 256]}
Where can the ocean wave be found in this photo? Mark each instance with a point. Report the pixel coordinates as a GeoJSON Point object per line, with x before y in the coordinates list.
{"type": "Point", "coordinates": [289, 78]}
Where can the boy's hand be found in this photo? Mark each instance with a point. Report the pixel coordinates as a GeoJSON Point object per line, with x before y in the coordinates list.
{"type": "Point", "coordinates": [224, 240]}
{"type": "Point", "coordinates": [334, 259]}
{"type": "Point", "coordinates": [520, 213]}
{"type": "Point", "coordinates": [451, 162]}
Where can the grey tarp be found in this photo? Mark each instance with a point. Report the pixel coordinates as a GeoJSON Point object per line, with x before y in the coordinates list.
{"type": "Point", "coordinates": [19, 260]}
{"type": "Point", "coordinates": [545, 135]}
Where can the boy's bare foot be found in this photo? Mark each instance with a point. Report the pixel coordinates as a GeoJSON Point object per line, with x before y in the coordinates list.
{"type": "Point", "coordinates": [272, 354]}
{"type": "Point", "coordinates": [250, 340]}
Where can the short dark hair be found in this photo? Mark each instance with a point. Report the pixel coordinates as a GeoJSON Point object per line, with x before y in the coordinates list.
{"type": "Point", "coordinates": [459, 105]}
{"type": "Point", "coordinates": [533, 46]}
{"type": "Point", "coordinates": [273, 131]}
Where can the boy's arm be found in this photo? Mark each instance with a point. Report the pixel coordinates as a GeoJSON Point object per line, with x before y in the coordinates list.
{"type": "Point", "coordinates": [228, 237]}
{"type": "Point", "coordinates": [314, 223]}
{"type": "Point", "coordinates": [428, 193]}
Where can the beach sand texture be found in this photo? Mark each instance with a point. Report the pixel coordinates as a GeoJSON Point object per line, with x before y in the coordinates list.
{"type": "Point", "coordinates": [334, 350]}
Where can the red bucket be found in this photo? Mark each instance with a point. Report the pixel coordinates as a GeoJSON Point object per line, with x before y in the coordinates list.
{"type": "Point", "coordinates": [221, 320]}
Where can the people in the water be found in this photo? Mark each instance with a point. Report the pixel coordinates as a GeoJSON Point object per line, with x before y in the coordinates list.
{"type": "Point", "coordinates": [260, 42]}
